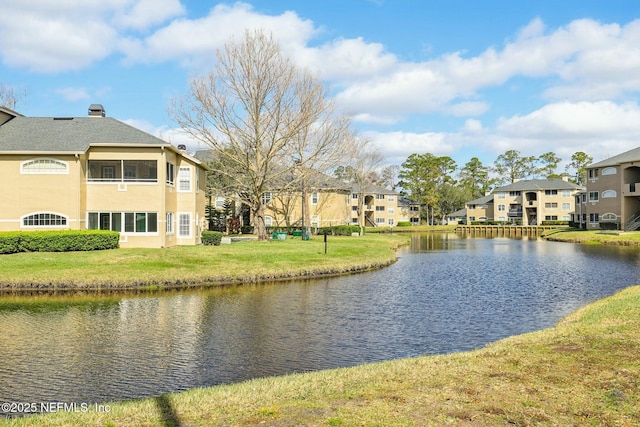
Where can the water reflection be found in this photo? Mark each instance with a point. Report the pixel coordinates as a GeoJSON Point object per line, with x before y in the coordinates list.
{"type": "Point", "coordinates": [446, 293]}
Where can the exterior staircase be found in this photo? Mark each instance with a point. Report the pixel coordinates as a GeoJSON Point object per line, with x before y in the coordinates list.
{"type": "Point", "coordinates": [633, 223]}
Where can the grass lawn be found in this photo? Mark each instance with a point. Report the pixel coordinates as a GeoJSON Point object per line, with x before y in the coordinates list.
{"type": "Point", "coordinates": [595, 237]}
{"type": "Point", "coordinates": [247, 261]}
{"type": "Point", "coordinates": [583, 372]}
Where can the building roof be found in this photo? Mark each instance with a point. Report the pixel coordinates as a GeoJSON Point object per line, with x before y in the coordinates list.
{"type": "Point", "coordinates": [481, 201]}
{"type": "Point", "coordinates": [460, 213]}
{"type": "Point", "coordinates": [374, 189]}
{"type": "Point", "coordinates": [539, 184]}
{"type": "Point", "coordinates": [628, 156]}
{"type": "Point", "coordinates": [69, 134]}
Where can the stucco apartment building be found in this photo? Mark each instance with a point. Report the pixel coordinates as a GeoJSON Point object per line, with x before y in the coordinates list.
{"type": "Point", "coordinates": [528, 202]}
{"type": "Point", "coordinates": [96, 172]}
{"type": "Point", "coordinates": [612, 197]}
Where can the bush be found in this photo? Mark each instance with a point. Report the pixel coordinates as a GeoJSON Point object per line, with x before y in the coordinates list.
{"type": "Point", "coordinates": [57, 241]}
{"type": "Point", "coordinates": [211, 238]}
{"type": "Point", "coordinates": [609, 225]}
{"type": "Point", "coordinates": [339, 230]}
{"type": "Point", "coordinates": [404, 223]}
{"type": "Point", "coordinates": [561, 222]}
{"type": "Point", "coordinates": [246, 229]}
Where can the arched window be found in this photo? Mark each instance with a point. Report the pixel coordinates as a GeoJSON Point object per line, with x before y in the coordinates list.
{"type": "Point", "coordinates": [44, 219]}
{"type": "Point", "coordinates": [609, 171]}
{"type": "Point", "coordinates": [609, 193]}
{"type": "Point", "coordinates": [44, 166]}
{"type": "Point", "coordinates": [609, 216]}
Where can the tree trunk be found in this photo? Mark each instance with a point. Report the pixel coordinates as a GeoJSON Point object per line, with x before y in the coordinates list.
{"type": "Point", "coordinates": [258, 222]}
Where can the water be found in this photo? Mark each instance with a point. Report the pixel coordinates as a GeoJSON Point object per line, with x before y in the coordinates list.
{"type": "Point", "coordinates": [446, 293]}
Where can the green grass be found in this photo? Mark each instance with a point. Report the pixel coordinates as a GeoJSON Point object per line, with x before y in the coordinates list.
{"type": "Point", "coordinates": [583, 372]}
{"type": "Point", "coordinates": [595, 237]}
{"type": "Point", "coordinates": [241, 262]}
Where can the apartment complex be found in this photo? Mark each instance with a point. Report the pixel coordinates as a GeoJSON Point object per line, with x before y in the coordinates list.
{"type": "Point", "coordinates": [96, 172]}
{"type": "Point", "coordinates": [527, 202]}
{"type": "Point", "coordinates": [612, 197]}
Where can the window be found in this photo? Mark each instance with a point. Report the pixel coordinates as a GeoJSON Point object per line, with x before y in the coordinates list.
{"type": "Point", "coordinates": [593, 196]}
{"type": "Point", "coordinates": [566, 206]}
{"type": "Point", "coordinates": [379, 208]}
{"type": "Point", "coordinates": [566, 193]}
{"type": "Point", "coordinates": [314, 198]}
{"type": "Point", "coordinates": [391, 222]}
{"type": "Point", "coordinates": [266, 198]}
{"type": "Point", "coordinates": [44, 166]}
{"type": "Point", "coordinates": [171, 173]}
{"type": "Point", "coordinates": [501, 195]}
{"type": "Point", "coordinates": [354, 220]}
{"type": "Point", "coordinates": [609, 171]}
{"type": "Point", "coordinates": [550, 205]}
{"type": "Point", "coordinates": [502, 208]}
{"type": "Point", "coordinates": [380, 220]}
{"type": "Point", "coordinates": [134, 222]}
{"type": "Point", "coordinates": [169, 223]}
{"type": "Point", "coordinates": [609, 216]}
{"type": "Point", "coordinates": [354, 196]}
{"type": "Point", "coordinates": [514, 193]}
{"type": "Point", "coordinates": [184, 179]}
{"type": "Point", "coordinates": [220, 202]}
{"type": "Point", "coordinates": [593, 173]}
{"type": "Point", "coordinates": [354, 208]}
{"type": "Point", "coordinates": [550, 192]}
{"type": "Point", "coordinates": [390, 198]}
{"type": "Point", "coordinates": [391, 209]}
{"type": "Point", "coordinates": [379, 196]}
{"type": "Point", "coordinates": [608, 194]}
{"type": "Point", "coordinates": [315, 220]}
{"type": "Point", "coordinates": [44, 219]}
{"type": "Point", "coordinates": [268, 221]}
{"type": "Point", "coordinates": [584, 198]}
{"type": "Point", "coordinates": [551, 217]}
{"type": "Point", "coordinates": [184, 225]}
{"type": "Point", "coordinates": [593, 218]}
{"type": "Point", "coordinates": [122, 171]}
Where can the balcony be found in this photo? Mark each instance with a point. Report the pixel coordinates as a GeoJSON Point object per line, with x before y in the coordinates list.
{"type": "Point", "coordinates": [515, 213]}
{"type": "Point", "coordinates": [632, 189]}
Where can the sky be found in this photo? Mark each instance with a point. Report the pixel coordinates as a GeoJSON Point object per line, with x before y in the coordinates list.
{"type": "Point", "coordinates": [458, 78]}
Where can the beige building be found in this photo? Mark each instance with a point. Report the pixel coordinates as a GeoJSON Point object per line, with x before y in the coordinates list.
{"type": "Point", "coordinates": [528, 202]}
{"type": "Point", "coordinates": [98, 173]}
{"type": "Point", "coordinates": [612, 197]}
{"type": "Point", "coordinates": [329, 203]}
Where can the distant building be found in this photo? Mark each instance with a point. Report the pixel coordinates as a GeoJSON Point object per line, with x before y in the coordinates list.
{"type": "Point", "coordinates": [528, 202]}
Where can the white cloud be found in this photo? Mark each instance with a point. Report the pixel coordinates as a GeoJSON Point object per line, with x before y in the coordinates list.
{"type": "Point", "coordinates": [397, 146]}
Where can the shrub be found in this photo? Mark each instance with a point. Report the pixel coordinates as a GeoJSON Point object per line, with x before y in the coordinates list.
{"type": "Point", "coordinates": [211, 238]}
{"type": "Point", "coordinates": [246, 229]}
{"type": "Point", "coordinates": [404, 223]}
{"type": "Point", "coordinates": [58, 241]}
{"type": "Point", "coordinates": [339, 230]}
{"type": "Point", "coordinates": [556, 222]}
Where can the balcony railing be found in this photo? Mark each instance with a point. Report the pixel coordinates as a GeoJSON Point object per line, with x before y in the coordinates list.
{"type": "Point", "coordinates": [515, 212]}
{"type": "Point", "coordinates": [632, 189]}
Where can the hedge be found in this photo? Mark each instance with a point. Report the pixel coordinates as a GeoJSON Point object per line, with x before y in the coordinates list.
{"type": "Point", "coordinates": [57, 241]}
{"type": "Point", "coordinates": [404, 223]}
{"type": "Point", "coordinates": [340, 230]}
{"type": "Point", "coordinates": [211, 238]}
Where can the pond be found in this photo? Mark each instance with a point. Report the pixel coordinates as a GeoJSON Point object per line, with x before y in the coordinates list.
{"type": "Point", "coordinates": [446, 293]}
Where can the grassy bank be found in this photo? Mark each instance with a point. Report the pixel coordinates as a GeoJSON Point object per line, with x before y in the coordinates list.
{"type": "Point", "coordinates": [585, 371]}
{"type": "Point", "coordinates": [247, 261]}
{"type": "Point", "coordinates": [595, 237]}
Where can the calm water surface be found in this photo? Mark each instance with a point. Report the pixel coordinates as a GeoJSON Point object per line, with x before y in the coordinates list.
{"type": "Point", "coordinates": [446, 293]}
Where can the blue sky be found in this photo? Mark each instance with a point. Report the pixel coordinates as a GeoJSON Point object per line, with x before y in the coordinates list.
{"type": "Point", "coordinates": [456, 78]}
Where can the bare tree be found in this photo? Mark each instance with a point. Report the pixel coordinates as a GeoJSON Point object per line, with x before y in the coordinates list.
{"type": "Point", "coordinates": [267, 121]}
{"type": "Point", "coordinates": [9, 97]}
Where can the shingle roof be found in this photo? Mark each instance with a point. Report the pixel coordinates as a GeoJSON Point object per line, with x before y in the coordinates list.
{"type": "Point", "coordinates": [482, 200]}
{"type": "Point", "coordinates": [539, 184]}
{"type": "Point", "coordinates": [627, 156]}
{"type": "Point", "coordinates": [72, 134]}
